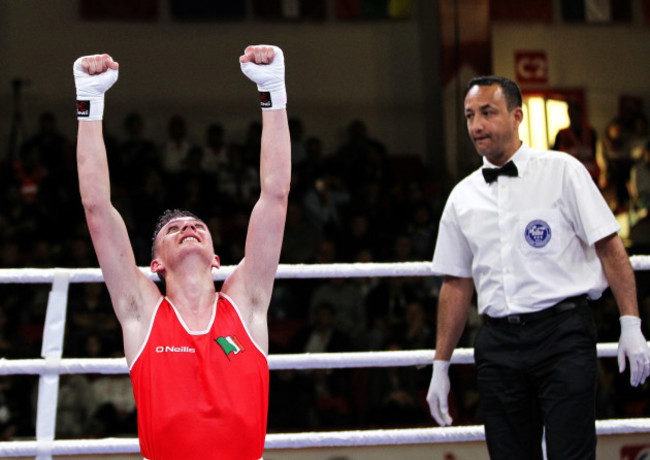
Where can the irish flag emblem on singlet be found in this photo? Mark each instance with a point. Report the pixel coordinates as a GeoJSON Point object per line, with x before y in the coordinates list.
{"type": "Point", "coordinates": [230, 344]}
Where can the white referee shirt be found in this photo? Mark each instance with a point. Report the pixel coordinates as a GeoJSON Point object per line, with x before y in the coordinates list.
{"type": "Point", "coordinates": [527, 241]}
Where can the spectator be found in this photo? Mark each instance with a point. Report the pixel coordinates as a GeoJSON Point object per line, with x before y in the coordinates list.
{"type": "Point", "coordinates": [579, 139]}
{"type": "Point", "coordinates": [214, 150]}
{"type": "Point", "coordinates": [385, 307]}
{"type": "Point", "coordinates": [56, 151]}
{"type": "Point", "coordinates": [418, 332]}
{"type": "Point", "coordinates": [332, 386]}
{"type": "Point", "coordinates": [135, 157]}
{"type": "Point", "coordinates": [614, 159]}
{"type": "Point", "coordinates": [422, 231]}
{"type": "Point", "coordinates": [75, 402]}
{"type": "Point", "coordinates": [323, 203]}
{"type": "Point", "coordinates": [236, 179]}
{"type": "Point", "coordinates": [356, 236]}
{"type": "Point", "coordinates": [297, 131]}
{"type": "Point", "coordinates": [291, 401]}
{"type": "Point", "coordinates": [639, 136]}
{"type": "Point", "coordinates": [175, 149]}
{"type": "Point", "coordinates": [250, 150]}
{"type": "Point", "coordinates": [301, 238]}
{"type": "Point", "coordinates": [394, 396]}
{"type": "Point", "coordinates": [91, 318]}
{"type": "Point", "coordinates": [348, 309]}
{"type": "Point", "coordinates": [640, 184]}
{"type": "Point", "coordinates": [361, 158]}
{"type": "Point", "coordinates": [30, 172]}
{"type": "Point", "coordinates": [639, 235]}
{"type": "Point", "coordinates": [310, 168]}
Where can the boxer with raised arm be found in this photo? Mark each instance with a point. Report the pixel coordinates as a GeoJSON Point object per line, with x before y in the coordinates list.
{"type": "Point", "coordinates": [197, 357]}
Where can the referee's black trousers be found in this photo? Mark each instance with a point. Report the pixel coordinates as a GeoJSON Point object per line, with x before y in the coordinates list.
{"type": "Point", "coordinates": [539, 376]}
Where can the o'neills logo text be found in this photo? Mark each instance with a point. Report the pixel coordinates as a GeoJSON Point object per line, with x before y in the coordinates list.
{"type": "Point", "coordinates": [175, 350]}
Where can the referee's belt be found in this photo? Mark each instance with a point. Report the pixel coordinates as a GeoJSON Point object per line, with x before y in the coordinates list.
{"type": "Point", "coordinates": [568, 304]}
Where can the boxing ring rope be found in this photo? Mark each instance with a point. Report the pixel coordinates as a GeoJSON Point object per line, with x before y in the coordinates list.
{"type": "Point", "coordinates": [52, 365]}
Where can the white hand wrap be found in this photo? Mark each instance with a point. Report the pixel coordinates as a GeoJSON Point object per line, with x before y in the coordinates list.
{"type": "Point", "coordinates": [438, 394]}
{"type": "Point", "coordinates": [270, 81]}
{"type": "Point", "coordinates": [90, 91]}
{"type": "Point", "coordinates": [633, 345]}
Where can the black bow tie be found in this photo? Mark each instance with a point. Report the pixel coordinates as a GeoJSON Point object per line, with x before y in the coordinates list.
{"type": "Point", "coordinates": [491, 174]}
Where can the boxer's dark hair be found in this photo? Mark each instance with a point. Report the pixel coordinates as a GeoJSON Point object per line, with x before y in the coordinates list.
{"type": "Point", "coordinates": [166, 217]}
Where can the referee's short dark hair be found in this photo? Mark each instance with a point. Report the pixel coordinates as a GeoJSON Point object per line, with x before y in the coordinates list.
{"type": "Point", "coordinates": [509, 87]}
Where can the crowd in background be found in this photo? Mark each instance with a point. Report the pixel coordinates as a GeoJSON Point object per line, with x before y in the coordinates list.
{"type": "Point", "coordinates": [357, 203]}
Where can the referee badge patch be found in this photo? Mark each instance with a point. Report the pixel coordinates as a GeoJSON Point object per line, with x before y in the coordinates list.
{"type": "Point", "coordinates": [537, 233]}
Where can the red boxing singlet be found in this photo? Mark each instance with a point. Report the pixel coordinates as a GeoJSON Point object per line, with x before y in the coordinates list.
{"type": "Point", "coordinates": [201, 395]}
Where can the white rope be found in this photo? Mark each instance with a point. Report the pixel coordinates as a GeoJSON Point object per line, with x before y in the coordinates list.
{"type": "Point", "coordinates": [285, 271]}
{"type": "Point", "coordinates": [276, 362]}
{"type": "Point", "coordinates": [72, 447]}
{"type": "Point", "coordinates": [312, 439]}
{"type": "Point", "coordinates": [640, 262]}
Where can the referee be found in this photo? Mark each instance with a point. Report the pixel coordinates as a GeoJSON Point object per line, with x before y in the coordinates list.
{"type": "Point", "coordinates": [533, 235]}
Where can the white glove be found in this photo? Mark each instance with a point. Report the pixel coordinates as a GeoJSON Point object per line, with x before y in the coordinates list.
{"type": "Point", "coordinates": [268, 76]}
{"type": "Point", "coordinates": [438, 394]}
{"type": "Point", "coordinates": [633, 345]}
{"type": "Point", "coordinates": [91, 88]}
